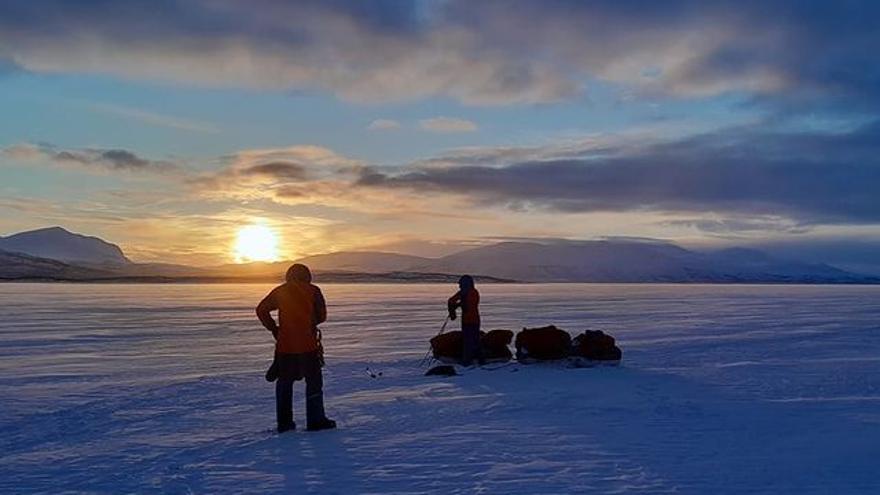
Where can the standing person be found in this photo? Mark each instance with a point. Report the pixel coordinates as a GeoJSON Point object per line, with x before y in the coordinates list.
{"type": "Point", "coordinates": [468, 299]}
{"type": "Point", "coordinates": [298, 353]}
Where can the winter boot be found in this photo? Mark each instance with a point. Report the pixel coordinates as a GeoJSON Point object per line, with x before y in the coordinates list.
{"type": "Point", "coordinates": [287, 427]}
{"type": "Point", "coordinates": [324, 424]}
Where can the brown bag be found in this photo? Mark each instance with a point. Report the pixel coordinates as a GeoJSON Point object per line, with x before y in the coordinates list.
{"type": "Point", "coordinates": [543, 343]}
{"type": "Point", "coordinates": [596, 345]}
{"type": "Point", "coordinates": [448, 345]}
{"type": "Point", "coordinates": [497, 339]}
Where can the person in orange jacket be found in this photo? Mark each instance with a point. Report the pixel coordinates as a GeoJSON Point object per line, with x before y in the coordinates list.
{"type": "Point", "coordinates": [298, 354]}
{"type": "Point", "coordinates": [468, 299]}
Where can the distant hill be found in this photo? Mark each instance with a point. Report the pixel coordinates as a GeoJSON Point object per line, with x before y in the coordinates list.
{"type": "Point", "coordinates": [753, 264]}
{"type": "Point", "coordinates": [364, 261]}
{"type": "Point", "coordinates": [60, 244]}
{"type": "Point", "coordinates": [17, 266]}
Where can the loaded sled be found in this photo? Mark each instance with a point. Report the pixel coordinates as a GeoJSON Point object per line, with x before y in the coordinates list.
{"type": "Point", "coordinates": [448, 347]}
{"type": "Point", "coordinates": [547, 344]}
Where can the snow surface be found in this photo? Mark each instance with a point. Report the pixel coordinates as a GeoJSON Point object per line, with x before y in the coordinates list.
{"type": "Point", "coordinates": [724, 389]}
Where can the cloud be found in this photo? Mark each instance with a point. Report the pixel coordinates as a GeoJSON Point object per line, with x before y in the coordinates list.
{"type": "Point", "coordinates": [362, 51]}
{"type": "Point", "coordinates": [257, 173]}
{"type": "Point", "coordinates": [301, 174]}
{"type": "Point", "coordinates": [312, 177]}
{"type": "Point", "coordinates": [105, 159]}
{"type": "Point", "coordinates": [383, 125]}
{"type": "Point", "coordinates": [317, 158]}
{"type": "Point", "coordinates": [812, 178]}
{"type": "Point", "coordinates": [280, 170]}
{"type": "Point", "coordinates": [447, 125]}
{"type": "Point", "coordinates": [8, 67]}
{"type": "Point", "coordinates": [486, 53]}
{"type": "Point", "coordinates": [736, 181]}
{"type": "Point", "coordinates": [736, 226]}
{"type": "Point", "coordinates": [153, 118]}
{"type": "Point", "coordinates": [435, 124]}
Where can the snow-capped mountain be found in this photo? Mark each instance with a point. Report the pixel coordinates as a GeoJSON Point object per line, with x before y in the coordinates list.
{"type": "Point", "coordinates": [59, 244]}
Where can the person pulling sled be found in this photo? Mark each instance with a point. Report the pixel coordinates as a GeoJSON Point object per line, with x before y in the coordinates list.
{"type": "Point", "coordinates": [468, 299]}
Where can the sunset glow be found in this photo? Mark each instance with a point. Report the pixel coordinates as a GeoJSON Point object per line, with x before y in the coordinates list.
{"type": "Point", "coordinates": [431, 127]}
{"type": "Point", "coordinates": [256, 243]}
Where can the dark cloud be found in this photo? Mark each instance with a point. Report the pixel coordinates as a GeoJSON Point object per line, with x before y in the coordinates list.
{"type": "Point", "coordinates": [813, 178]}
{"type": "Point", "coordinates": [487, 52]}
{"type": "Point", "coordinates": [108, 159]}
{"type": "Point", "coordinates": [113, 159]}
{"type": "Point", "coordinates": [277, 170]}
{"type": "Point", "coordinates": [816, 49]}
{"type": "Point", "coordinates": [126, 160]}
{"type": "Point", "coordinates": [291, 174]}
{"type": "Point", "coordinates": [737, 226]}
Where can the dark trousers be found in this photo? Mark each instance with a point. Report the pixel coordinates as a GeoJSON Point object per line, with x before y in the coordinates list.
{"type": "Point", "coordinates": [471, 342]}
{"type": "Point", "coordinates": [293, 367]}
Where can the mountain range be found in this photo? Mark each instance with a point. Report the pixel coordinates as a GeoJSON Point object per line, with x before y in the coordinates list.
{"type": "Point", "coordinates": [598, 261]}
{"type": "Point", "coordinates": [58, 254]}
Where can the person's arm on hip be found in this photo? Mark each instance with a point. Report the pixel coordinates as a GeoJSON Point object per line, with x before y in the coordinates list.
{"type": "Point", "coordinates": [264, 313]}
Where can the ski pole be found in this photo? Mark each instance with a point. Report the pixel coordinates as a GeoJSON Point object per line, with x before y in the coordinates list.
{"type": "Point", "coordinates": [427, 354]}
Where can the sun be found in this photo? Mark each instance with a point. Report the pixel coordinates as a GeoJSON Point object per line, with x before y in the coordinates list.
{"type": "Point", "coordinates": [256, 243]}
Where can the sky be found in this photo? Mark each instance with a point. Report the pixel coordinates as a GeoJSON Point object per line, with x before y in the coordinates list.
{"type": "Point", "coordinates": [166, 126]}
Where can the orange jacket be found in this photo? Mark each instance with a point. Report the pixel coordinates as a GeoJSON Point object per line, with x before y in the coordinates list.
{"type": "Point", "coordinates": [470, 308]}
{"type": "Point", "coordinates": [301, 308]}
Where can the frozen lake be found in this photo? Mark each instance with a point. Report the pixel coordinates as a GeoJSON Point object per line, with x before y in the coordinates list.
{"type": "Point", "coordinates": [724, 389]}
